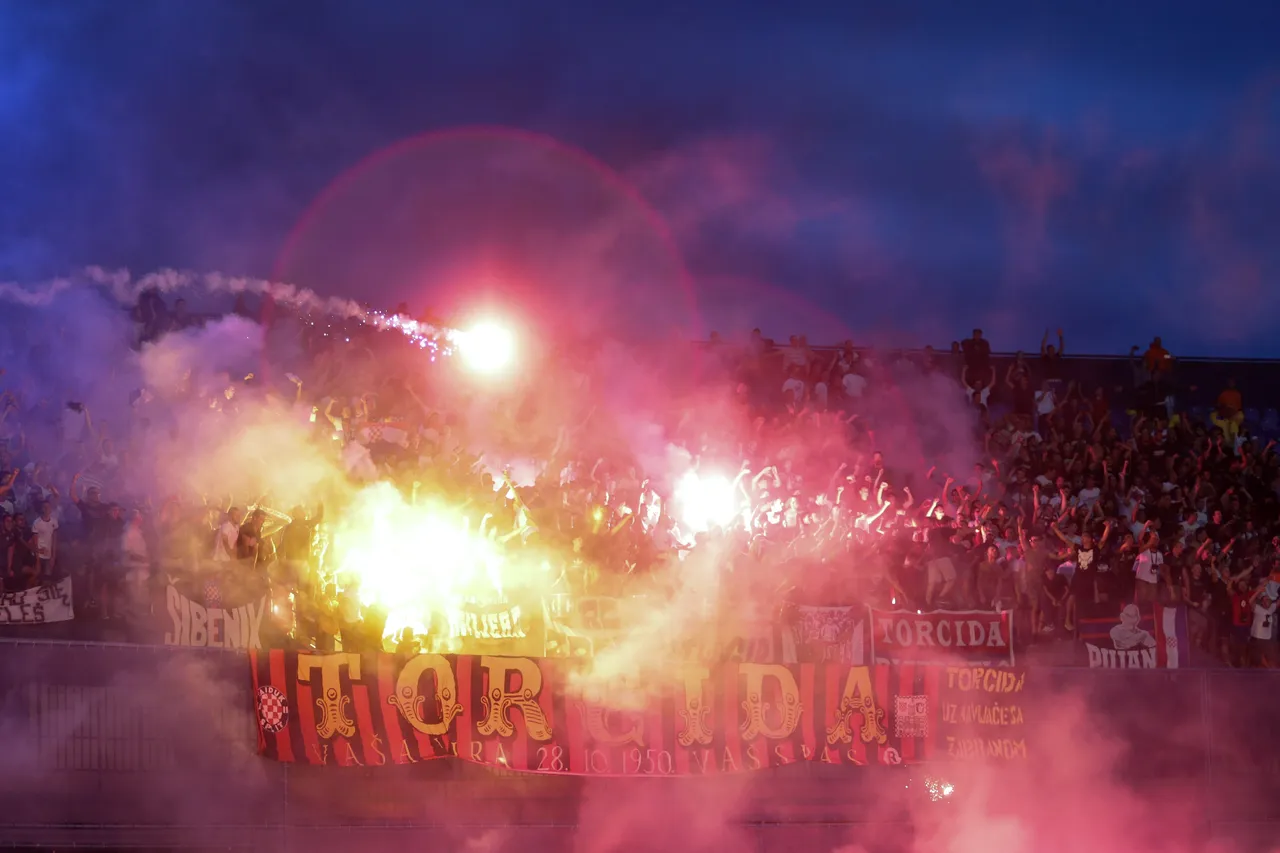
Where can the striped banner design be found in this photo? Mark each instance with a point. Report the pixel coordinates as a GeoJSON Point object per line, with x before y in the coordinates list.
{"type": "Point", "coordinates": [534, 715]}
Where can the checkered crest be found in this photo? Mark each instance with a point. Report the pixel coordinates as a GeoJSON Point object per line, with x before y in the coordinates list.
{"type": "Point", "coordinates": [273, 709]}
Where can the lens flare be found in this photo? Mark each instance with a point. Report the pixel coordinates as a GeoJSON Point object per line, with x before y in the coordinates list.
{"type": "Point", "coordinates": [704, 502]}
{"type": "Point", "coordinates": [486, 347]}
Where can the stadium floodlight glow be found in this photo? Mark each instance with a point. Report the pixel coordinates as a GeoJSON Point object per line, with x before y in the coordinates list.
{"type": "Point", "coordinates": [486, 347]}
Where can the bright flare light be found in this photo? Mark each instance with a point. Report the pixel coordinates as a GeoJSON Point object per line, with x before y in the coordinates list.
{"type": "Point", "coordinates": [705, 502]}
{"type": "Point", "coordinates": [412, 560]}
{"type": "Point", "coordinates": [939, 789]}
{"type": "Point", "coordinates": [486, 347]}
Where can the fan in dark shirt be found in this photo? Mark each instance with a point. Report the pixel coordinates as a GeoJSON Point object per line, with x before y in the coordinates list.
{"type": "Point", "coordinates": [1051, 358]}
{"type": "Point", "coordinates": [976, 352]}
{"type": "Point", "coordinates": [8, 540]}
{"type": "Point", "coordinates": [250, 538]}
{"type": "Point", "coordinates": [93, 516]}
{"type": "Point", "coordinates": [24, 570]}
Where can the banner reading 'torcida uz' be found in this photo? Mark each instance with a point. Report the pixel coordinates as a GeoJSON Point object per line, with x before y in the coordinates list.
{"type": "Point", "coordinates": [529, 714]}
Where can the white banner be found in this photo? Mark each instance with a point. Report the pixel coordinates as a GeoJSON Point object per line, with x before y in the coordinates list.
{"type": "Point", "coordinates": [211, 627]}
{"type": "Point", "coordinates": [51, 603]}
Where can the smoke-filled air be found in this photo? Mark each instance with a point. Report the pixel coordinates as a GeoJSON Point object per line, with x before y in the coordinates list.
{"type": "Point", "coordinates": [431, 467]}
{"type": "Point", "coordinates": [591, 430]}
{"type": "Point", "coordinates": [635, 513]}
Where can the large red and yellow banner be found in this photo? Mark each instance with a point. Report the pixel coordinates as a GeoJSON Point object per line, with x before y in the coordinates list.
{"type": "Point", "coordinates": [552, 716]}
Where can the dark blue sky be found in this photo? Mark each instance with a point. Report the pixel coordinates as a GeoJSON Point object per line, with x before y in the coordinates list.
{"type": "Point", "coordinates": [905, 170]}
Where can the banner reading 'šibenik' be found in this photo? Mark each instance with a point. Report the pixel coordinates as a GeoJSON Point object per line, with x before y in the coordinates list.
{"type": "Point", "coordinates": [530, 714]}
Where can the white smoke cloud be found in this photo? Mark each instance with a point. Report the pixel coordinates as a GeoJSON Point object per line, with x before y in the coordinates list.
{"type": "Point", "coordinates": [232, 345]}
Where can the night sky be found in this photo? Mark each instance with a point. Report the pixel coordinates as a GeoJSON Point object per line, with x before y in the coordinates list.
{"type": "Point", "coordinates": [902, 173]}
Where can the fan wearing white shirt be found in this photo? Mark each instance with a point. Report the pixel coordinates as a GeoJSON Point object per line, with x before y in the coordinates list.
{"type": "Point", "coordinates": [853, 384]}
{"type": "Point", "coordinates": [1045, 402]}
{"type": "Point", "coordinates": [1138, 522]}
{"type": "Point", "coordinates": [1090, 494]}
{"type": "Point", "coordinates": [45, 530]}
{"type": "Point", "coordinates": [978, 384]}
{"type": "Point", "coordinates": [795, 354]}
{"type": "Point", "coordinates": [1192, 521]}
{"type": "Point", "coordinates": [1148, 568]}
{"type": "Point", "coordinates": [793, 388]}
{"type": "Point", "coordinates": [1262, 630]}
{"type": "Point", "coordinates": [979, 393]}
{"type": "Point", "coordinates": [224, 543]}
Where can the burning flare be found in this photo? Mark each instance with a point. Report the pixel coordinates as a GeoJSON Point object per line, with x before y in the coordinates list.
{"type": "Point", "coordinates": [412, 561]}
{"type": "Point", "coordinates": [704, 502]}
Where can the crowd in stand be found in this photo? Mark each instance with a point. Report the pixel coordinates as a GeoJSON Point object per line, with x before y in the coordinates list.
{"type": "Point", "coordinates": [1082, 496]}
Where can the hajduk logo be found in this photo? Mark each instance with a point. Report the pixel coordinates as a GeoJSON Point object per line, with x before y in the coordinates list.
{"type": "Point", "coordinates": [273, 709]}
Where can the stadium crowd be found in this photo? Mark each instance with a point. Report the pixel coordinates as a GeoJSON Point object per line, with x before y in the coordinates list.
{"type": "Point", "coordinates": [1082, 495]}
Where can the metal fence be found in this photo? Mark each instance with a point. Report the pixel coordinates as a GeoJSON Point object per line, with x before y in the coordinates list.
{"type": "Point", "coordinates": [148, 747]}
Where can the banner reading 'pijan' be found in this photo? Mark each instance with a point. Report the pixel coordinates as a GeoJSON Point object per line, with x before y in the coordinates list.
{"type": "Point", "coordinates": [539, 715]}
{"type": "Point", "coordinates": [1124, 635]}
